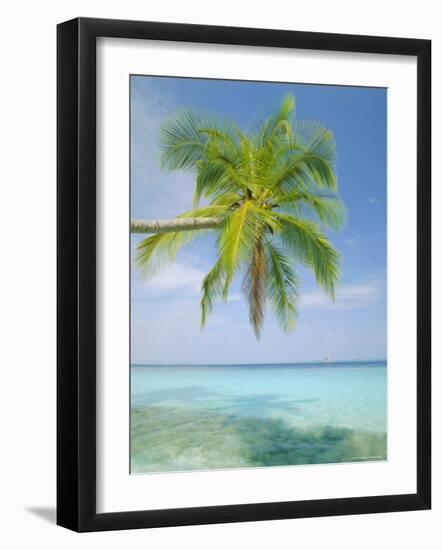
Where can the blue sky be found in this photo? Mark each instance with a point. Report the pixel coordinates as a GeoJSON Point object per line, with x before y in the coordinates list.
{"type": "Point", "coordinates": [165, 321]}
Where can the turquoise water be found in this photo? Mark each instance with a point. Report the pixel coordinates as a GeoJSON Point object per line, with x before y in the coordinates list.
{"type": "Point", "coordinates": [233, 416]}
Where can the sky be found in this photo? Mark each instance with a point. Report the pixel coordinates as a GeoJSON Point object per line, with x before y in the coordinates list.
{"type": "Point", "coordinates": [165, 311]}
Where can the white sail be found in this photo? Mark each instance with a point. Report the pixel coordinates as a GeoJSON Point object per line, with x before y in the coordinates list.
{"type": "Point", "coordinates": [328, 356]}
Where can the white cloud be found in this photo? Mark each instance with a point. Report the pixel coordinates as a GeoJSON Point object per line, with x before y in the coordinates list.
{"type": "Point", "coordinates": [156, 193]}
{"type": "Point", "coordinates": [350, 296]}
{"type": "Point", "coordinates": [373, 200]}
{"type": "Point", "coordinates": [174, 277]}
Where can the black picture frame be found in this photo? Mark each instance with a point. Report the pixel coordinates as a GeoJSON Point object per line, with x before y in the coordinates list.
{"type": "Point", "coordinates": [77, 287]}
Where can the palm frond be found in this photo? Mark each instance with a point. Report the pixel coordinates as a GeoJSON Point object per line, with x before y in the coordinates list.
{"type": "Point", "coordinates": [307, 243]}
{"type": "Point", "coordinates": [254, 287]}
{"type": "Point", "coordinates": [280, 122]}
{"type": "Point", "coordinates": [328, 207]}
{"type": "Point", "coordinates": [282, 286]}
{"type": "Point", "coordinates": [188, 138]}
{"type": "Point", "coordinates": [212, 180]}
{"type": "Point", "coordinates": [207, 147]}
{"type": "Point", "coordinates": [240, 233]}
{"type": "Point", "coordinates": [301, 171]}
{"type": "Point", "coordinates": [182, 144]}
{"type": "Point", "coordinates": [312, 136]}
{"type": "Point", "coordinates": [227, 199]}
{"type": "Point", "coordinates": [154, 252]}
{"type": "Point", "coordinates": [233, 170]}
{"type": "Point", "coordinates": [307, 159]}
{"type": "Point", "coordinates": [237, 238]}
{"type": "Point", "coordinates": [212, 290]}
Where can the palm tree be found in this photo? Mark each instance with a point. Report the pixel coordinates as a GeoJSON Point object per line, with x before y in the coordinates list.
{"type": "Point", "coordinates": [267, 192]}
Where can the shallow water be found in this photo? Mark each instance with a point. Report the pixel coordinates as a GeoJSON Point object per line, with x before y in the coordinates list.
{"type": "Point", "coordinates": [231, 416]}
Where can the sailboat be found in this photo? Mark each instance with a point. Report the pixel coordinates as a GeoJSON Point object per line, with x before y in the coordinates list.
{"type": "Point", "coordinates": [328, 357]}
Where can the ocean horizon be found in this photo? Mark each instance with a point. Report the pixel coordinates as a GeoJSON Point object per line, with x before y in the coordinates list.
{"type": "Point", "coordinates": [350, 362]}
{"type": "Point", "coordinates": [201, 417]}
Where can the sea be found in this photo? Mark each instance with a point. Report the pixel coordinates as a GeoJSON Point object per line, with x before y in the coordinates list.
{"type": "Point", "coordinates": [203, 417]}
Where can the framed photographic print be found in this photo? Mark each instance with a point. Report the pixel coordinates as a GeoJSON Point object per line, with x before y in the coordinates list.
{"type": "Point", "coordinates": [243, 274]}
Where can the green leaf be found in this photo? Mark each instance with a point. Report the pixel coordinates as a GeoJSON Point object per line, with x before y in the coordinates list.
{"type": "Point", "coordinates": [254, 287]}
{"type": "Point", "coordinates": [212, 179]}
{"type": "Point", "coordinates": [181, 142]}
{"type": "Point", "coordinates": [282, 286]}
{"type": "Point", "coordinates": [302, 170]}
{"type": "Point", "coordinates": [238, 237]}
{"type": "Point", "coordinates": [155, 251]}
{"type": "Point", "coordinates": [212, 290]}
{"type": "Point", "coordinates": [306, 242]}
{"type": "Point", "coordinates": [327, 207]}
{"type": "Point", "coordinates": [312, 136]}
{"type": "Point", "coordinates": [280, 122]}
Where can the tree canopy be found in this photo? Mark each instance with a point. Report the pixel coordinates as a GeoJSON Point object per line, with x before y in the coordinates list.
{"type": "Point", "coordinates": [269, 193]}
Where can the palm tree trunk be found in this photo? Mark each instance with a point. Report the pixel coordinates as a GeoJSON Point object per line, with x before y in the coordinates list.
{"type": "Point", "coordinates": [175, 224]}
